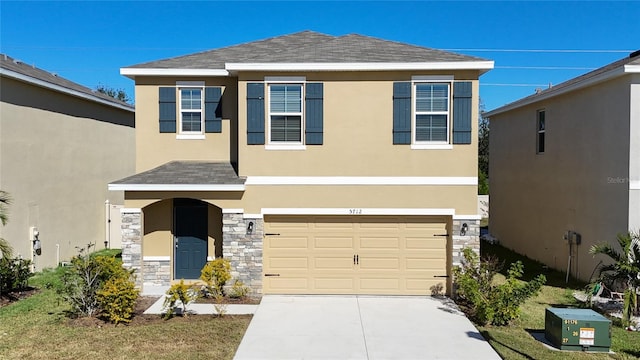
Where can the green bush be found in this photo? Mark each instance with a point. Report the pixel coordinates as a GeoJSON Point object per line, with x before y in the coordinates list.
{"type": "Point", "coordinates": [239, 290]}
{"type": "Point", "coordinates": [117, 298]}
{"type": "Point", "coordinates": [14, 274]}
{"type": "Point", "coordinates": [215, 274]}
{"type": "Point", "coordinates": [492, 303]}
{"type": "Point", "coordinates": [178, 292]}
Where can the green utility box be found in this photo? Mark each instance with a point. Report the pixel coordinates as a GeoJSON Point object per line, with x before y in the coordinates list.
{"type": "Point", "coordinates": [577, 329]}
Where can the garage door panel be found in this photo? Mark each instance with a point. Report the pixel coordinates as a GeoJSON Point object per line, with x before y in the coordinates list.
{"type": "Point", "coordinates": [379, 243]}
{"type": "Point", "coordinates": [379, 263]}
{"type": "Point", "coordinates": [333, 243]}
{"type": "Point", "coordinates": [425, 264]}
{"type": "Point", "coordinates": [377, 285]}
{"type": "Point", "coordinates": [333, 263]}
{"type": "Point", "coordinates": [288, 242]}
{"type": "Point", "coordinates": [291, 263]}
{"type": "Point", "coordinates": [287, 284]}
{"type": "Point", "coordinates": [425, 243]}
{"type": "Point", "coordinates": [423, 285]}
{"type": "Point", "coordinates": [328, 285]}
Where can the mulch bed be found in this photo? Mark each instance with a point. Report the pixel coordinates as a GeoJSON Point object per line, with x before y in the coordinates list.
{"type": "Point", "coordinates": [247, 300]}
{"type": "Point", "coordinates": [10, 297]}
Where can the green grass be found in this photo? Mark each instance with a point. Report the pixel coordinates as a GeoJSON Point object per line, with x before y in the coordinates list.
{"type": "Point", "coordinates": [516, 342]}
{"type": "Point", "coordinates": [37, 328]}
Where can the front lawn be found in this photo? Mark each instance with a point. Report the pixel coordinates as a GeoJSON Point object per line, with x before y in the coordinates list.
{"type": "Point", "coordinates": [516, 342]}
{"type": "Point", "coordinates": [37, 328]}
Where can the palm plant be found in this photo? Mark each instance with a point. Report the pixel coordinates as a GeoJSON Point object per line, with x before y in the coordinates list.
{"type": "Point", "coordinates": [624, 270]}
{"type": "Point", "coordinates": [5, 248]}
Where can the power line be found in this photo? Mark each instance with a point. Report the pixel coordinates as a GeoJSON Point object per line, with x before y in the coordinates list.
{"type": "Point", "coordinates": [513, 85]}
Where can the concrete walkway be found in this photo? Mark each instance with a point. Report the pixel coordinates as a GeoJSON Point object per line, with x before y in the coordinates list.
{"type": "Point", "coordinates": [203, 309]}
{"type": "Point", "coordinates": [361, 327]}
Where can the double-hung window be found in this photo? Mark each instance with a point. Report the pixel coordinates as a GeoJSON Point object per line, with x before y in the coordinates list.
{"type": "Point", "coordinates": [191, 104]}
{"type": "Point", "coordinates": [286, 122]}
{"type": "Point", "coordinates": [432, 112]}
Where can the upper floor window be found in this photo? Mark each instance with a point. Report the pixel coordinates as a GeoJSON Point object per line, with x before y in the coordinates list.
{"type": "Point", "coordinates": [431, 121]}
{"type": "Point", "coordinates": [191, 104]}
{"type": "Point", "coordinates": [540, 131]}
{"type": "Point", "coordinates": [286, 121]}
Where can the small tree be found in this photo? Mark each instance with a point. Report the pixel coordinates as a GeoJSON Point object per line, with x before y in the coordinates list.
{"type": "Point", "coordinates": [118, 94]}
{"type": "Point", "coordinates": [5, 248]}
{"type": "Point", "coordinates": [623, 271]}
{"type": "Point", "coordinates": [215, 274]}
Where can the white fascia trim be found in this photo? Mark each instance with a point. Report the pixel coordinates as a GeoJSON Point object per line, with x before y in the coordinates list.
{"type": "Point", "coordinates": [252, 216]}
{"type": "Point", "coordinates": [632, 68]}
{"type": "Point", "coordinates": [133, 72]}
{"type": "Point", "coordinates": [130, 211]}
{"type": "Point", "coordinates": [356, 211]}
{"type": "Point", "coordinates": [62, 89]}
{"type": "Point", "coordinates": [359, 66]}
{"type": "Point", "coordinates": [432, 78]}
{"type": "Point", "coordinates": [608, 75]}
{"type": "Point", "coordinates": [156, 258]}
{"type": "Point", "coordinates": [634, 185]}
{"type": "Point", "coordinates": [174, 187]}
{"type": "Point", "coordinates": [467, 217]}
{"type": "Point", "coordinates": [190, 137]}
{"type": "Point", "coordinates": [232, 211]}
{"type": "Point", "coordinates": [361, 180]}
{"type": "Point", "coordinates": [431, 147]}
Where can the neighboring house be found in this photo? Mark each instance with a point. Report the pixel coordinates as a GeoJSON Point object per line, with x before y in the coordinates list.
{"type": "Point", "coordinates": [568, 159]}
{"type": "Point", "coordinates": [316, 164]}
{"type": "Point", "coordinates": [60, 145]}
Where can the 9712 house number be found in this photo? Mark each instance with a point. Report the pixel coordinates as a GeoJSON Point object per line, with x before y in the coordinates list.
{"type": "Point", "coordinates": [355, 211]}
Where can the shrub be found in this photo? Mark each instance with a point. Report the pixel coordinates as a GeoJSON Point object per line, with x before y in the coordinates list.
{"type": "Point", "coordinates": [117, 298]}
{"type": "Point", "coordinates": [86, 276]}
{"type": "Point", "coordinates": [14, 274]}
{"type": "Point", "coordinates": [239, 290]}
{"type": "Point", "coordinates": [215, 274]}
{"type": "Point", "coordinates": [492, 303]}
{"type": "Point", "coordinates": [178, 292]}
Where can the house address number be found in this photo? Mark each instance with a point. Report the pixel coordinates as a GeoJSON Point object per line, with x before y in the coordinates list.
{"type": "Point", "coordinates": [355, 211]}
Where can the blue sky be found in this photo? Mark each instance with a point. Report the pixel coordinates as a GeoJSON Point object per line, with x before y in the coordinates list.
{"type": "Point", "coordinates": [89, 41]}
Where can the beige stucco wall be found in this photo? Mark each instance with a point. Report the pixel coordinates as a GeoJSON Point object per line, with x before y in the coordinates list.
{"type": "Point", "coordinates": [154, 148]}
{"type": "Point", "coordinates": [56, 161]}
{"type": "Point", "coordinates": [634, 155]}
{"type": "Point", "coordinates": [580, 183]}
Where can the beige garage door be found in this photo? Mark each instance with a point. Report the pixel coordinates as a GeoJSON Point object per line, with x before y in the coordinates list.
{"type": "Point", "coordinates": [354, 254]}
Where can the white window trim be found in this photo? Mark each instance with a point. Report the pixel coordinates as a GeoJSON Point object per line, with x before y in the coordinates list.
{"type": "Point", "coordinates": [285, 80]}
{"type": "Point", "coordinates": [190, 135]}
{"type": "Point", "coordinates": [431, 145]}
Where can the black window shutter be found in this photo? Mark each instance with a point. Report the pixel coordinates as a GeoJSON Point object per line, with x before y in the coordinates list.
{"type": "Point", "coordinates": [402, 113]}
{"type": "Point", "coordinates": [167, 109]}
{"type": "Point", "coordinates": [462, 112]}
{"type": "Point", "coordinates": [212, 110]}
{"type": "Point", "coordinates": [314, 114]}
{"type": "Point", "coordinates": [255, 113]}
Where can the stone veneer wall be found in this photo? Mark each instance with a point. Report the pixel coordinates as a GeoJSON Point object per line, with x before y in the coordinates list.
{"type": "Point", "coordinates": [243, 250]}
{"type": "Point", "coordinates": [132, 241]}
{"type": "Point", "coordinates": [156, 272]}
{"type": "Point", "coordinates": [471, 239]}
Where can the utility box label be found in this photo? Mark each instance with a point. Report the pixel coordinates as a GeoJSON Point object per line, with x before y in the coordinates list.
{"type": "Point", "coordinates": [587, 336]}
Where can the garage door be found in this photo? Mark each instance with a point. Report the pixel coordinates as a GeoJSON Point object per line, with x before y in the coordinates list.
{"type": "Point", "coordinates": [354, 254]}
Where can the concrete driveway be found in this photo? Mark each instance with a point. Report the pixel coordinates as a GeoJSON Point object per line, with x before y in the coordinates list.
{"type": "Point", "coordinates": [361, 327]}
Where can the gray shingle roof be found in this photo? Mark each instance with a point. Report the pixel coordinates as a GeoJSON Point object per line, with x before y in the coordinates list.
{"type": "Point", "coordinates": [11, 64]}
{"type": "Point", "coordinates": [186, 173]}
{"type": "Point", "coordinates": [310, 47]}
{"type": "Point", "coordinates": [632, 59]}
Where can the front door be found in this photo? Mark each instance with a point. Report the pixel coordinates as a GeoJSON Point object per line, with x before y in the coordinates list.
{"type": "Point", "coordinates": [190, 238]}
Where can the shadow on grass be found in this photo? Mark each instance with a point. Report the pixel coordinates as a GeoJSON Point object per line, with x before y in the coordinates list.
{"type": "Point", "coordinates": [531, 267]}
{"type": "Point", "coordinates": [493, 340]}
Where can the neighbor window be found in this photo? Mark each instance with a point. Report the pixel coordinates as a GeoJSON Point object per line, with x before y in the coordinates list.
{"type": "Point", "coordinates": [540, 132]}
{"type": "Point", "coordinates": [431, 122]}
{"type": "Point", "coordinates": [285, 113]}
{"type": "Point", "coordinates": [191, 110]}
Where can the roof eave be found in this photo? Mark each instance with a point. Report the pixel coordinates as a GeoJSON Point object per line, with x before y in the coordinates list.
{"type": "Point", "coordinates": [176, 187]}
{"type": "Point", "coordinates": [133, 72]}
{"type": "Point", "coordinates": [45, 84]}
{"type": "Point", "coordinates": [559, 90]}
{"type": "Point", "coordinates": [483, 66]}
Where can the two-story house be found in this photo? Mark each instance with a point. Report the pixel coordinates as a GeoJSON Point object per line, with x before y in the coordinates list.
{"type": "Point", "coordinates": [316, 164]}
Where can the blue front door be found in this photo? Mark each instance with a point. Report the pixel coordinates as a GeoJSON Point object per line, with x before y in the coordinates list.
{"type": "Point", "coordinates": [190, 238]}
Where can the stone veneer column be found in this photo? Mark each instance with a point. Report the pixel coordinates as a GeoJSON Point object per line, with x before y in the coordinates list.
{"type": "Point", "coordinates": [132, 241]}
{"type": "Point", "coordinates": [470, 239]}
{"type": "Point", "coordinates": [243, 250]}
